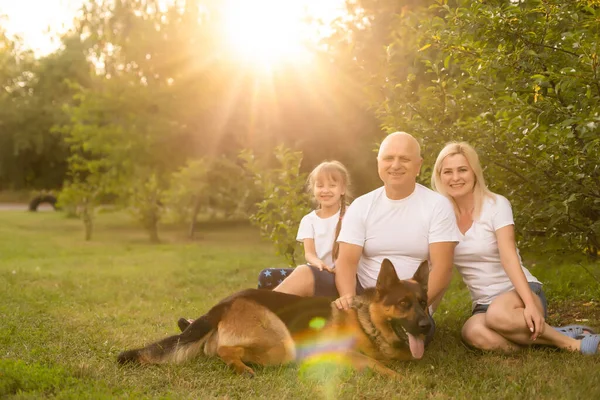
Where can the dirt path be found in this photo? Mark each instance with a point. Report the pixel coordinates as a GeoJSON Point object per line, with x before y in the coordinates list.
{"type": "Point", "coordinates": [23, 207]}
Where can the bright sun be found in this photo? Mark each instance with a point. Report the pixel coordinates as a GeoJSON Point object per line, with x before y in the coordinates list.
{"type": "Point", "coordinates": [271, 32]}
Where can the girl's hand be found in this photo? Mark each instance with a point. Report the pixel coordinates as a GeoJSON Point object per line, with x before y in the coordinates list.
{"type": "Point", "coordinates": [534, 320]}
{"type": "Point", "coordinates": [324, 267]}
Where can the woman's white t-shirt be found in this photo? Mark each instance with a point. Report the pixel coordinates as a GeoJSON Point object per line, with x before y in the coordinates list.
{"type": "Point", "coordinates": [477, 256]}
{"type": "Point", "coordinates": [322, 231]}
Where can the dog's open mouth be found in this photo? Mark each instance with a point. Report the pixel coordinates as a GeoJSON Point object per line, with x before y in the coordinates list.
{"type": "Point", "coordinates": [416, 344]}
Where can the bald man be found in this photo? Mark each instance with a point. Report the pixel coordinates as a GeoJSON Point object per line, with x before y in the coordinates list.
{"type": "Point", "coordinates": [402, 221]}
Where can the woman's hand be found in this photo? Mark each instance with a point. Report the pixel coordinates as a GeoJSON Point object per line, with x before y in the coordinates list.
{"type": "Point", "coordinates": [534, 320]}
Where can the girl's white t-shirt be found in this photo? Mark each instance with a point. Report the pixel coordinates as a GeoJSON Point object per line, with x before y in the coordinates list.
{"type": "Point", "coordinates": [477, 256]}
{"type": "Point", "coordinates": [322, 231]}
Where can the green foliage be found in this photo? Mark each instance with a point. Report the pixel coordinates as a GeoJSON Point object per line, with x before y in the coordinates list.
{"type": "Point", "coordinates": [94, 169]}
{"type": "Point", "coordinates": [188, 192]}
{"type": "Point", "coordinates": [119, 145]}
{"type": "Point", "coordinates": [214, 187]}
{"type": "Point", "coordinates": [285, 199]}
{"type": "Point", "coordinates": [128, 131]}
{"type": "Point", "coordinates": [144, 200]}
{"type": "Point", "coordinates": [168, 65]}
{"type": "Point", "coordinates": [519, 80]}
{"type": "Point", "coordinates": [33, 92]}
{"type": "Point", "coordinates": [80, 199]}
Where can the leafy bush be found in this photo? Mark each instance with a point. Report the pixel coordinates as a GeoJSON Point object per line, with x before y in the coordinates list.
{"type": "Point", "coordinates": [520, 81]}
{"type": "Point", "coordinates": [144, 202]}
{"type": "Point", "coordinates": [80, 200]}
{"type": "Point", "coordinates": [217, 187]}
{"type": "Point", "coordinates": [285, 200]}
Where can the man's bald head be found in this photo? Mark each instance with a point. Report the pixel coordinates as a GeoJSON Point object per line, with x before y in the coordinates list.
{"type": "Point", "coordinates": [403, 139]}
{"type": "Point", "coordinates": [398, 163]}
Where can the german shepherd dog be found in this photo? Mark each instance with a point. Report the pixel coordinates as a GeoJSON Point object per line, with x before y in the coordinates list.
{"type": "Point", "coordinates": [257, 326]}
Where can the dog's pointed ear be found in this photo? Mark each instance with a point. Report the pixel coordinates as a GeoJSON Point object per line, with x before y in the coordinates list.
{"type": "Point", "coordinates": [387, 275]}
{"type": "Point", "coordinates": [422, 274]}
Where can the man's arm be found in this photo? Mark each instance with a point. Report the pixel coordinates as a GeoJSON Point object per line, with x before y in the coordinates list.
{"type": "Point", "coordinates": [345, 273]}
{"type": "Point", "coordinates": [441, 255]}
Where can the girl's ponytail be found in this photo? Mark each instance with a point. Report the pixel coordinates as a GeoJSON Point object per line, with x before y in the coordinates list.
{"type": "Point", "coordinates": [336, 246]}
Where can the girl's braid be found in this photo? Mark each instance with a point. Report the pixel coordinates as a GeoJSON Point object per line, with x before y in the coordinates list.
{"type": "Point", "coordinates": [336, 246]}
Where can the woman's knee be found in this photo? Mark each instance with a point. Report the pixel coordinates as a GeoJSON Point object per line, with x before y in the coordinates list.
{"type": "Point", "coordinates": [474, 336]}
{"type": "Point", "coordinates": [499, 319]}
{"type": "Point", "coordinates": [480, 337]}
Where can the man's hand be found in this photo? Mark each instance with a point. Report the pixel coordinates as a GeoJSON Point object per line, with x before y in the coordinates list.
{"type": "Point", "coordinates": [344, 302]}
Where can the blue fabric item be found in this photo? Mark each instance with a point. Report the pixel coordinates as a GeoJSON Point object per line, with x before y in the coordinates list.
{"type": "Point", "coordinates": [271, 277]}
{"type": "Point", "coordinates": [574, 331]}
{"type": "Point", "coordinates": [589, 344]}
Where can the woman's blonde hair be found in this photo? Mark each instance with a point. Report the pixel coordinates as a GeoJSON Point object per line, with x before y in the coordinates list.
{"type": "Point", "coordinates": [480, 190]}
{"type": "Point", "coordinates": [337, 172]}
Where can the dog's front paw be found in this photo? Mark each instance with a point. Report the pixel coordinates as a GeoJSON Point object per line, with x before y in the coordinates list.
{"type": "Point", "coordinates": [244, 370]}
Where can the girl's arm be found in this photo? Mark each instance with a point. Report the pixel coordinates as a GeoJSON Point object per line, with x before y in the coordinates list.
{"type": "Point", "coordinates": [310, 255]}
{"type": "Point", "coordinates": [512, 265]}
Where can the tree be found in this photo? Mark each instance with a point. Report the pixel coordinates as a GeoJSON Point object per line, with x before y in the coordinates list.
{"type": "Point", "coordinates": [285, 199]}
{"type": "Point", "coordinates": [519, 80]}
{"type": "Point", "coordinates": [217, 187]}
{"type": "Point", "coordinates": [32, 154]}
{"type": "Point", "coordinates": [129, 121]}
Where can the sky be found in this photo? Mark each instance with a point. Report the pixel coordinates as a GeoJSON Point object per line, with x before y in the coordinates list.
{"type": "Point", "coordinates": [251, 25]}
{"type": "Point", "coordinates": [31, 19]}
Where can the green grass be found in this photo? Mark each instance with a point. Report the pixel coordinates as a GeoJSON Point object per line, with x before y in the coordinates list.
{"type": "Point", "coordinates": [68, 307]}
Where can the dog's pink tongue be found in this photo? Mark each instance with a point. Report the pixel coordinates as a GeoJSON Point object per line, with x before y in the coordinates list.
{"type": "Point", "coordinates": [417, 346]}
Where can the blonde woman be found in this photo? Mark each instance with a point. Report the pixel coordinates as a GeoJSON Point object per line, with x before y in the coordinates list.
{"type": "Point", "coordinates": [509, 305]}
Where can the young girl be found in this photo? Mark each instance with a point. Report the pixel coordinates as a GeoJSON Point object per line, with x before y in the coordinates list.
{"type": "Point", "coordinates": [509, 305]}
{"type": "Point", "coordinates": [319, 229]}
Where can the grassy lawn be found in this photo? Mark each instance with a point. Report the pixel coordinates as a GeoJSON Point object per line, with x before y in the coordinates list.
{"type": "Point", "coordinates": [68, 307]}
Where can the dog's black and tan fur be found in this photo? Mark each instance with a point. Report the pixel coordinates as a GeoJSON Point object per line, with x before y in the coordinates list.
{"type": "Point", "coordinates": [263, 327]}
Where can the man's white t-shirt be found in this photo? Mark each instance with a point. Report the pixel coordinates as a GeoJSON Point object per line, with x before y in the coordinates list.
{"type": "Point", "coordinates": [322, 231]}
{"type": "Point", "coordinates": [477, 256]}
{"type": "Point", "coordinates": [400, 230]}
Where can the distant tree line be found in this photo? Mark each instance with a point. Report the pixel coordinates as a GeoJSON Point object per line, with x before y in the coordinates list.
{"type": "Point", "coordinates": [139, 105]}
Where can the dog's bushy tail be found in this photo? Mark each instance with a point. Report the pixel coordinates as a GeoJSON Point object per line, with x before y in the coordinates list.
{"type": "Point", "coordinates": [178, 348]}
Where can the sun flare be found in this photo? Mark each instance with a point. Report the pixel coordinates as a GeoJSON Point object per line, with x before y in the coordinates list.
{"type": "Point", "coordinates": [270, 32]}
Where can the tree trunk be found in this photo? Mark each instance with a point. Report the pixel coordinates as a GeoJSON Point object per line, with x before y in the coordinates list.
{"type": "Point", "coordinates": [195, 212]}
{"type": "Point", "coordinates": [152, 226]}
{"type": "Point", "coordinates": [153, 230]}
{"type": "Point", "coordinates": [88, 222]}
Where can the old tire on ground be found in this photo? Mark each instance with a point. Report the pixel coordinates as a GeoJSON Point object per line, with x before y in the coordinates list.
{"type": "Point", "coordinates": [42, 198]}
